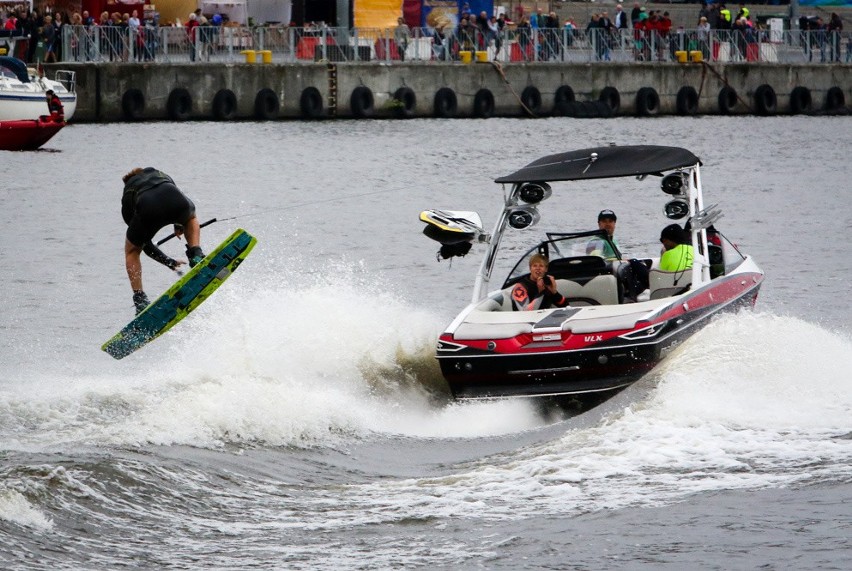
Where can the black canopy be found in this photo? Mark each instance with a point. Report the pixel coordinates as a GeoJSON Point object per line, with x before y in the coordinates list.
{"type": "Point", "coordinates": [611, 162]}
{"type": "Point", "coordinates": [16, 66]}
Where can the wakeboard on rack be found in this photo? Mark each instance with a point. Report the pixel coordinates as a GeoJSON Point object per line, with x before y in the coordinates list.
{"type": "Point", "coordinates": [455, 230]}
{"type": "Point", "coordinates": [184, 296]}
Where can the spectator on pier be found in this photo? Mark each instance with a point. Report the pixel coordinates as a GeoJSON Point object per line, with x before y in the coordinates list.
{"type": "Point", "coordinates": [401, 36]}
{"type": "Point", "coordinates": [620, 20]}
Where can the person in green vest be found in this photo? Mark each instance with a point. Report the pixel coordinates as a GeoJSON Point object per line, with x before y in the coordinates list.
{"type": "Point", "coordinates": [724, 18]}
{"type": "Point", "coordinates": [678, 253]}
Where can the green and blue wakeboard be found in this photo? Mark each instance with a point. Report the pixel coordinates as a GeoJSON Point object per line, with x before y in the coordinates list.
{"type": "Point", "coordinates": [184, 296]}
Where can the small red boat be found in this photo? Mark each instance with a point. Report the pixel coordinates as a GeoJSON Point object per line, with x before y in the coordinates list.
{"type": "Point", "coordinates": [27, 134]}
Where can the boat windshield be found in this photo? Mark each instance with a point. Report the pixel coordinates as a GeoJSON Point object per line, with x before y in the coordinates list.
{"type": "Point", "coordinates": [560, 245]}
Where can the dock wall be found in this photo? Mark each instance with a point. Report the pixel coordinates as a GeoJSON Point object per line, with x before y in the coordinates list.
{"type": "Point", "coordinates": [114, 92]}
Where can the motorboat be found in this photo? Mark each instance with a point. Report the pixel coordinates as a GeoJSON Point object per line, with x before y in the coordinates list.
{"type": "Point", "coordinates": [28, 134]}
{"type": "Point", "coordinates": [22, 91]}
{"type": "Point", "coordinates": [603, 340]}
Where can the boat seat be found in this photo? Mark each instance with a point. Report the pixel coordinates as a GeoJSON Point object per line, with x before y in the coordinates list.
{"type": "Point", "coordinates": [598, 290]}
{"type": "Point", "coordinates": [667, 284]}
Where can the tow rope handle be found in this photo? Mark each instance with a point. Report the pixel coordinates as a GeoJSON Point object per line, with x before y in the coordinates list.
{"type": "Point", "coordinates": [172, 235]}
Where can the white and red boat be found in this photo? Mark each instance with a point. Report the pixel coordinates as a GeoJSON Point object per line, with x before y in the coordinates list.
{"type": "Point", "coordinates": [23, 91]}
{"type": "Point", "coordinates": [602, 341]}
{"type": "Point", "coordinates": [27, 134]}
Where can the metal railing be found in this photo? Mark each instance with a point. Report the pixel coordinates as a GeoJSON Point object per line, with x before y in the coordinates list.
{"type": "Point", "coordinates": [289, 44]}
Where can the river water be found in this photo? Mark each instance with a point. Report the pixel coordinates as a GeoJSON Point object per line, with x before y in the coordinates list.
{"type": "Point", "coordinates": [297, 420]}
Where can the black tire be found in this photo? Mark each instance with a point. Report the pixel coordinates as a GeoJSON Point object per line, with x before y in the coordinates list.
{"type": "Point", "coordinates": [600, 109]}
{"type": "Point", "coordinates": [531, 98]}
{"type": "Point", "coordinates": [564, 95]}
{"type": "Point", "coordinates": [310, 103]}
{"type": "Point", "coordinates": [362, 103]}
{"type": "Point", "coordinates": [407, 102]}
{"type": "Point", "coordinates": [612, 98]}
{"type": "Point", "coordinates": [446, 103]}
{"type": "Point", "coordinates": [800, 100]}
{"type": "Point", "coordinates": [266, 104]}
{"type": "Point", "coordinates": [224, 105]}
{"type": "Point", "coordinates": [765, 100]}
{"type": "Point", "coordinates": [133, 104]}
{"type": "Point", "coordinates": [179, 104]}
{"type": "Point", "coordinates": [727, 100]}
{"type": "Point", "coordinates": [647, 102]}
{"type": "Point", "coordinates": [687, 101]}
{"type": "Point", "coordinates": [835, 99]}
{"type": "Point", "coordinates": [568, 108]}
{"type": "Point", "coordinates": [483, 104]}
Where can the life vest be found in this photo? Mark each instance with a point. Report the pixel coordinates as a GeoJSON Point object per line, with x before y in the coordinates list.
{"type": "Point", "coordinates": [677, 259]}
{"type": "Point", "coordinates": [146, 180]}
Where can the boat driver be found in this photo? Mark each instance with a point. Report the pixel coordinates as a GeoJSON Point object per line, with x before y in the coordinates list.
{"type": "Point", "coordinates": [538, 289]}
{"type": "Point", "coordinates": [602, 248]}
{"type": "Point", "coordinates": [150, 201]}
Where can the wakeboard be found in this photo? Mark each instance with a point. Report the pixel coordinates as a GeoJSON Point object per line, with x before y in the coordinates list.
{"type": "Point", "coordinates": [184, 296]}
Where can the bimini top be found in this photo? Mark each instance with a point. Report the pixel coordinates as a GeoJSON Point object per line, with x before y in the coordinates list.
{"type": "Point", "coordinates": [604, 162]}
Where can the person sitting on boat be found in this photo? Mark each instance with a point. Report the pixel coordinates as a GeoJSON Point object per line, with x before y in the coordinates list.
{"type": "Point", "coordinates": [150, 201]}
{"type": "Point", "coordinates": [604, 248]}
{"type": "Point", "coordinates": [537, 290]}
{"type": "Point", "coordinates": [54, 105]}
{"type": "Point", "coordinates": [678, 253]}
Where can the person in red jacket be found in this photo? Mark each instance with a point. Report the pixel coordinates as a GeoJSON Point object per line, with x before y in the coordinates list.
{"type": "Point", "coordinates": [54, 105]}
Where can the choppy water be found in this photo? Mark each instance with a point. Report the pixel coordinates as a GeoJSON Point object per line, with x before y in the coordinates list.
{"type": "Point", "coordinates": [297, 420]}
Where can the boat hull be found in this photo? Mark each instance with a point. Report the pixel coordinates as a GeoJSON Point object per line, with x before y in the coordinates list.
{"type": "Point", "coordinates": [32, 105]}
{"type": "Point", "coordinates": [587, 365]}
{"type": "Point", "coordinates": [27, 135]}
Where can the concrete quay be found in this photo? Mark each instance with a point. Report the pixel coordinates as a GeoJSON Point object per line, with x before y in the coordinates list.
{"type": "Point", "coordinates": [119, 92]}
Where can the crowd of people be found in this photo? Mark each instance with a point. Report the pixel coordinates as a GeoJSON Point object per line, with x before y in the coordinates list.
{"type": "Point", "coordinates": [643, 33]}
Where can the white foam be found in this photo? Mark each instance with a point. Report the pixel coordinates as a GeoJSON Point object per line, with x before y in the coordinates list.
{"type": "Point", "coordinates": [15, 508]}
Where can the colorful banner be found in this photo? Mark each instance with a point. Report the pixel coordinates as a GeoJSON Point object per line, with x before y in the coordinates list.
{"type": "Point", "coordinates": [381, 14]}
{"type": "Point", "coordinates": [446, 13]}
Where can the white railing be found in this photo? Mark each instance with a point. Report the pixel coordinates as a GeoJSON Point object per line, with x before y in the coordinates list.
{"type": "Point", "coordinates": [288, 44]}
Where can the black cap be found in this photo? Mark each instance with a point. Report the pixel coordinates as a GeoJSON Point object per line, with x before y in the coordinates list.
{"type": "Point", "coordinates": [603, 214]}
{"type": "Point", "coordinates": [674, 233]}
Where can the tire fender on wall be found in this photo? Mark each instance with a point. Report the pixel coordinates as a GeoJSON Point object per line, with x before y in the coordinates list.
{"type": "Point", "coordinates": [834, 99]}
{"type": "Point", "coordinates": [266, 104]}
{"type": "Point", "coordinates": [310, 103]}
{"type": "Point", "coordinates": [446, 103]}
{"type": "Point", "coordinates": [179, 104]}
{"type": "Point", "coordinates": [727, 100]}
{"type": "Point", "coordinates": [133, 104]}
{"type": "Point", "coordinates": [483, 104]}
{"type": "Point", "coordinates": [647, 102]}
{"type": "Point", "coordinates": [531, 98]}
{"type": "Point", "coordinates": [407, 102]}
{"type": "Point", "coordinates": [612, 98]}
{"type": "Point", "coordinates": [800, 100]}
{"type": "Point", "coordinates": [224, 105]}
{"type": "Point", "coordinates": [563, 96]}
{"type": "Point", "coordinates": [765, 100]}
{"type": "Point", "coordinates": [362, 102]}
{"type": "Point", "coordinates": [687, 101]}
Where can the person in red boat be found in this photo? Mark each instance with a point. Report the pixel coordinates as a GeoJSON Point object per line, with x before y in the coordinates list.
{"type": "Point", "coordinates": [54, 105]}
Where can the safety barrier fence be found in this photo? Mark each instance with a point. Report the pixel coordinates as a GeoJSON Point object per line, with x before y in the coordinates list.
{"type": "Point", "coordinates": [289, 44]}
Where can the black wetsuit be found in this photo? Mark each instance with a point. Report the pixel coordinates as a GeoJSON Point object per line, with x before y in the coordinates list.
{"type": "Point", "coordinates": [151, 201]}
{"type": "Point", "coordinates": [525, 296]}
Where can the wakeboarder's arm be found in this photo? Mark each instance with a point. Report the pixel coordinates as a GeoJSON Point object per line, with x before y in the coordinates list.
{"type": "Point", "coordinates": [157, 255]}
